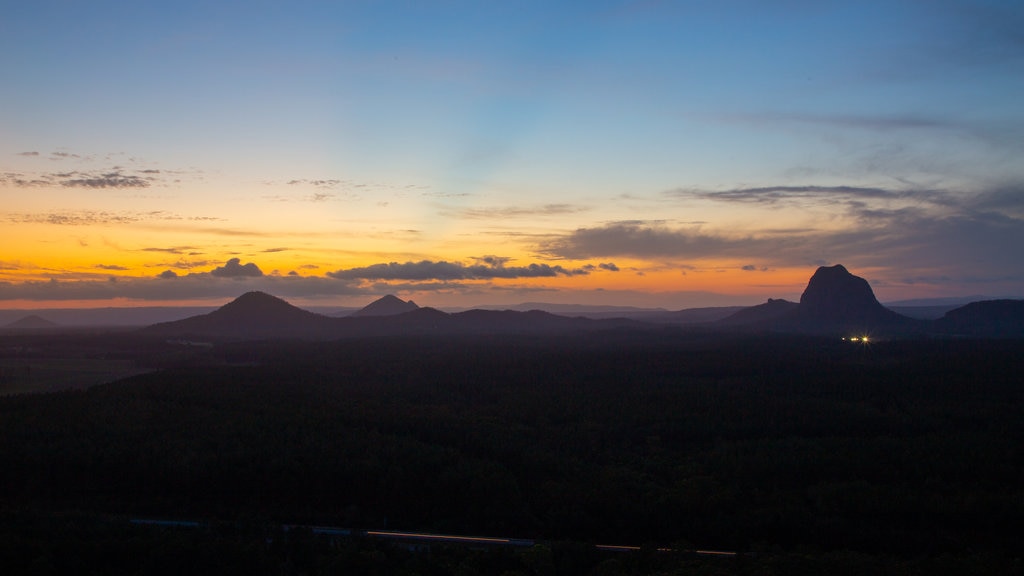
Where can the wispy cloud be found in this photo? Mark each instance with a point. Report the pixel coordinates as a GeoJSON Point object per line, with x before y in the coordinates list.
{"type": "Point", "coordinates": [861, 121]}
{"type": "Point", "coordinates": [114, 179]}
{"type": "Point", "coordinates": [170, 249]}
{"type": "Point", "coordinates": [812, 194]}
{"type": "Point", "coordinates": [484, 268]}
{"type": "Point", "coordinates": [505, 212]}
{"type": "Point", "coordinates": [111, 171]}
{"type": "Point", "coordinates": [92, 217]}
{"type": "Point", "coordinates": [112, 267]}
{"type": "Point", "coordinates": [347, 187]}
{"type": "Point", "coordinates": [79, 218]}
{"type": "Point", "coordinates": [173, 286]}
{"type": "Point", "coordinates": [325, 183]}
{"type": "Point", "coordinates": [904, 232]}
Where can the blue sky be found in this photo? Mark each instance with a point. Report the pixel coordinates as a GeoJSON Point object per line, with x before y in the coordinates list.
{"type": "Point", "coordinates": [674, 153]}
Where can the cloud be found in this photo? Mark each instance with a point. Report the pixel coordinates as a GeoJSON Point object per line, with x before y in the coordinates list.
{"type": "Point", "coordinates": [959, 235]}
{"type": "Point", "coordinates": [234, 269]}
{"type": "Point", "coordinates": [129, 173]}
{"type": "Point", "coordinates": [114, 179]}
{"type": "Point", "coordinates": [171, 249]}
{"type": "Point", "coordinates": [79, 218]}
{"type": "Point", "coordinates": [803, 194]}
{"type": "Point", "coordinates": [94, 217]}
{"type": "Point", "coordinates": [112, 267]}
{"type": "Point", "coordinates": [485, 268]}
{"type": "Point", "coordinates": [864, 121]}
{"type": "Point", "coordinates": [22, 181]}
{"type": "Point", "coordinates": [609, 266]}
{"type": "Point", "coordinates": [325, 183]}
{"type": "Point", "coordinates": [637, 240]}
{"type": "Point", "coordinates": [170, 286]}
{"type": "Point", "coordinates": [516, 211]}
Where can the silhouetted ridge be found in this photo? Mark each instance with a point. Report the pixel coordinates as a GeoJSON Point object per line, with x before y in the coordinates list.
{"type": "Point", "coordinates": [251, 315]}
{"type": "Point", "coordinates": [260, 316]}
{"type": "Point", "coordinates": [770, 311]}
{"type": "Point", "coordinates": [999, 318]}
{"type": "Point", "coordinates": [31, 322]}
{"type": "Point", "coordinates": [259, 305]}
{"type": "Point", "coordinates": [389, 305]}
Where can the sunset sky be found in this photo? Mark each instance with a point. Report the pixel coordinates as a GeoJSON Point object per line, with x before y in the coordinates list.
{"type": "Point", "coordinates": [644, 153]}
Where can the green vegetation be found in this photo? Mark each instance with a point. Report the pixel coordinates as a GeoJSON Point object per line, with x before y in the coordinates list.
{"type": "Point", "coordinates": [805, 455]}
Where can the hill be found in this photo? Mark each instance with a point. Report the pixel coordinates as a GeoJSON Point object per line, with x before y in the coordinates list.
{"type": "Point", "coordinates": [251, 316]}
{"type": "Point", "coordinates": [389, 305]}
{"type": "Point", "coordinates": [770, 311]}
{"type": "Point", "coordinates": [991, 318]}
{"type": "Point", "coordinates": [260, 316]}
{"type": "Point", "coordinates": [31, 322]}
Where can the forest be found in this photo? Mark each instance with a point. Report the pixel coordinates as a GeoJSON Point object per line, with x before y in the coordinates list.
{"type": "Point", "coordinates": [801, 454]}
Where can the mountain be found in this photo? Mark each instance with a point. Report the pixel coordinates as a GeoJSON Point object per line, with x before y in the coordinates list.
{"type": "Point", "coordinates": [260, 316]}
{"type": "Point", "coordinates": [31, 322]}
{"type": "Point", "coordinates": [833, 294]}
{"type": "Point", "coordinates": [690, 315]}
{"type": "Point", "coordinates": [990, 318]}
{"type": "Point", "coordinates": [251, 316]}
{"type": "Point", "coordinates": [834, 301]}
{"type": "Point", "coordinates": [923, 312]}
{"type": "Point", "coordinates": [389, 305]}
{"type": "Point", "coordinates": [770, 311]}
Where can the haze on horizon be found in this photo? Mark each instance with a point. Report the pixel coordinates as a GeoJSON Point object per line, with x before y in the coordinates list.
{"type": "Point", "coordinates": [644, 153]}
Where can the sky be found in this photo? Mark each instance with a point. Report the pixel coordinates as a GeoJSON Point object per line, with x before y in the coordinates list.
{"type": "Point", "coordinates": [641, 153]}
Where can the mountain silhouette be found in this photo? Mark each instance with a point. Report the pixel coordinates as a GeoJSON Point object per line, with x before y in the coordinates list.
{"type": "Point", "coordinates": [770, 311]}
{"type": "Point", "coordinates": [989, 318]}
{"type": "Point", "coordinates": [32, 322]}
{"type": "Point", "coordinates": [253, 315]}
{"type": "Point", "coordinates": [836, 300]}
{"type": "Point", "coordinates": [260, 316]}
{"type": "Point", "coordinates": [389, 305]}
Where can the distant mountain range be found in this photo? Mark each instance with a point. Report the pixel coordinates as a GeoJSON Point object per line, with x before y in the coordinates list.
{"type": "Point", "coordinates": [834, 302]}
{"type": "Point", "coordinates": [257, 315]}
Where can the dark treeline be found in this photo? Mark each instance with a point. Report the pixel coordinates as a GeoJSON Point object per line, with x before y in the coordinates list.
{"type": "Point", "coordinates": [802, 453]}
